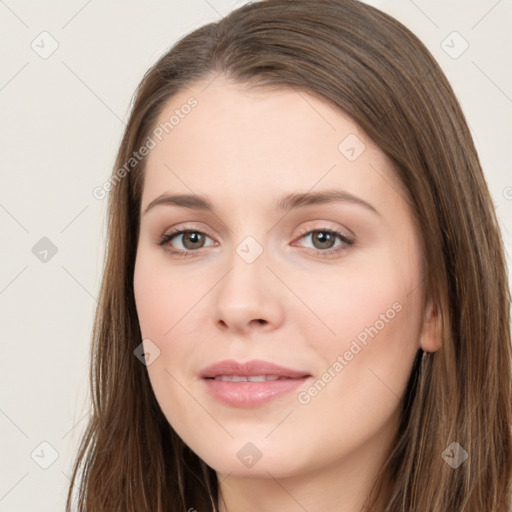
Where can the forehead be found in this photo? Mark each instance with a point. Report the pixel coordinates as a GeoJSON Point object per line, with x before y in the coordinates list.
{"type": "Point", "coordinates": [252, 140]}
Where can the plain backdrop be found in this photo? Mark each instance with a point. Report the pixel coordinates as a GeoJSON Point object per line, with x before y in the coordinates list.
{"type": "Point", "coordinates": [67, 76]}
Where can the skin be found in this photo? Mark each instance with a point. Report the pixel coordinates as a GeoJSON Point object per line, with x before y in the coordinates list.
{"type": "Point", "coordinates": [244, 149]}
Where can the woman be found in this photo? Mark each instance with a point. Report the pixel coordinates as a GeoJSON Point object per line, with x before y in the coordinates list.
{"type": "Point", "coordinates": [305, 302]}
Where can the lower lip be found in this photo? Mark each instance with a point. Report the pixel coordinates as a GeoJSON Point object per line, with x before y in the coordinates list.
{"type": "Point", "coordinates": [251, 394]}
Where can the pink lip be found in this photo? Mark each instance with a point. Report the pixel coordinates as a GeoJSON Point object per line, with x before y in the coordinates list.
{"type": "Point", "coordinates": [253, 367]}
{"type": "Point", "coordinates": [250, 394]}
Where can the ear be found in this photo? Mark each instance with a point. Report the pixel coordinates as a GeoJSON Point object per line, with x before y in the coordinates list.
{"type": "Point", "coordinates": [431, 333]}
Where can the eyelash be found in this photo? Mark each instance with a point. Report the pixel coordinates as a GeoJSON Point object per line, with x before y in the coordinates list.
{"type": "Point", "coordinates": [347, 241]}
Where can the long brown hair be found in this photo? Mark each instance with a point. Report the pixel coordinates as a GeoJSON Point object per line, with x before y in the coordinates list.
{"type": "Point", "coordinates": [374, 69]}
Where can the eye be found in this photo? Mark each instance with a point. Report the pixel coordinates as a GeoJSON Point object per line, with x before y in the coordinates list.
{"type": "Point", "coordinates": [323, 240]}
{"type": "Point", "coordinates": [191, 241]}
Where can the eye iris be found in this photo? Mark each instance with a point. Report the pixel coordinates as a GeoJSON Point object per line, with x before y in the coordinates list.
{"type": "Point", "coordinates": [194, 238]}
{"type": "Point", "coordinates": [323, 237]}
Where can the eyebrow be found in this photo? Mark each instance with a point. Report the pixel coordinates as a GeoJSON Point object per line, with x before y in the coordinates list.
{"type": "Point", "coordinates": [285, 203]}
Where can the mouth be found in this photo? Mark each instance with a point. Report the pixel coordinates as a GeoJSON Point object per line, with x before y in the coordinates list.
{"type": "Point", "coordinates": [250, 384]}
{"type": "Point", "coordinates": [248, 369]}
{"type": "Point", "coordinates": [248, 378]}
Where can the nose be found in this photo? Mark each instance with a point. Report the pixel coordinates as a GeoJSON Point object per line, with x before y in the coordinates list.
{"type": "Point", "coordinates": [249, 296]}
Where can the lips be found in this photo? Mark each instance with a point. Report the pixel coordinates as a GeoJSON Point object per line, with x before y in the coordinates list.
{"type": "Point", "coordinates": [253, 368]}
{"type": "Point", "coordinates": [250, 384]}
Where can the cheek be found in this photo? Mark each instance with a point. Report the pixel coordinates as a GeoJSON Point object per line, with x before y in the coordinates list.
{"type": "Point", "coordinates": [363, 301]}
{"type": "Point", "coordinates": [366, 369]}
{"type": "Point", "coordinates": [162, 301]}
{"type": "Point", "coordinates": [161, 297]}
{"type": "Point", "coordinates": [374, 316]}
{"type": "Point", "coordinates": [369, 329]}
{"type": "Point", "coordinates": [170, 307]}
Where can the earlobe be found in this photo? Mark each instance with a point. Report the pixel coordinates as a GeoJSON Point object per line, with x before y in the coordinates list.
{"type": "Point", "coordinates": [431, 334]}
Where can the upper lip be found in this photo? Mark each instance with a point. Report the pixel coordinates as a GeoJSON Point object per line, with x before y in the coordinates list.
{"type": "Point", "coordinates": [249, 368]}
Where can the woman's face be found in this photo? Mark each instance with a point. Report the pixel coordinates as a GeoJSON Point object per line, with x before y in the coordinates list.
{"type": "Point", "coordinates": [332, 289]}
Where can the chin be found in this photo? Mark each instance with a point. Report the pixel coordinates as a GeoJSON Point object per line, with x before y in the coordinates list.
{"type": "Point", "coordinates": [249, 459]}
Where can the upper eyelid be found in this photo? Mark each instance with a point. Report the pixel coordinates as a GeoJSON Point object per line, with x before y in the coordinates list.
{"type": "Point", "coordinates": [200, 229]}
{"type": "Point", "coordinates": [302, 231]}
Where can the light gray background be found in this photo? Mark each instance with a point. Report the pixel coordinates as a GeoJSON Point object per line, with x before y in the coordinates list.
{"type": "Point", "coordinates": [61, 122]}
